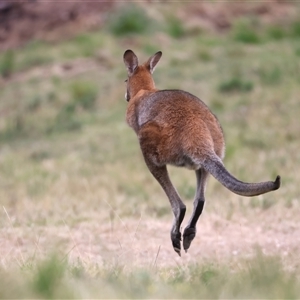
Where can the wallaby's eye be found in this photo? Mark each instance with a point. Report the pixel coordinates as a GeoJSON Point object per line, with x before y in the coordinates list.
{"type": "Point", "coordinates": [126, 80]}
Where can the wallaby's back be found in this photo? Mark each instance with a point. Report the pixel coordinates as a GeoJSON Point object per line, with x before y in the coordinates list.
{"type": "Point", "coordinates": [184, 120]}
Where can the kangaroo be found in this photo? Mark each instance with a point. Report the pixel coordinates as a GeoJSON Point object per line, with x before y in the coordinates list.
{"type": "Point", "coordinates": [175, 127]}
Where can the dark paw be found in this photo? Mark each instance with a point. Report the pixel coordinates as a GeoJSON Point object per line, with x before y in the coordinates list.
{"type": "Point", "coordinates": [188, 235]}
{"type": "Point", "coordinates": [176, 242]}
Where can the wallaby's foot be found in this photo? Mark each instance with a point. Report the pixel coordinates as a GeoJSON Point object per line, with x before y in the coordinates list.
{"type": "Point", "coordinates": [176, 242]}
{"type": "Point", "coordinates": [188, 235]}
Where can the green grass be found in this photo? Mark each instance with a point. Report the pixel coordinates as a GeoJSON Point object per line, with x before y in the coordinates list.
{"type": "Point", "coordinates": [175, 27]}
{"type": "Point", "coordinates": [246, 32]}
{"type": "Point", "coordinates": [129, 19]}
{"type": "Point", "coordinates": [73, 181]}
{"type": "Point", "coordinates": [54, 278]}
{"type": "Point", "coordinates": [84, 94]}
{"type": "Point", "coordinates": [235, 84]}
{"type": "Point", "coordinates": [276, 32]}
{"type": "Point", "coordinates": [7, 64]}
{"type": "Point", "coordinates": [295, 29]}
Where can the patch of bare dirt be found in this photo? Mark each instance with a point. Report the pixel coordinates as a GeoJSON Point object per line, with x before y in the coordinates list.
{"type": "Point", "coordinates": [146, 242]}
{"type": "Point", "coordinates": [220, 16]}
{"type": "Point", "coordinates": [21, 21]}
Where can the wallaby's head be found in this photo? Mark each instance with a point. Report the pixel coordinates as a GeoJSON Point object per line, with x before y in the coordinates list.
{"type": "Point", "coordinates": [139, 76]}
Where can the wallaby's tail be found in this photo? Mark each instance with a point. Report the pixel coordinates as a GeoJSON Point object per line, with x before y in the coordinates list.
{"type": "Point", "coordinates": [215, 167]}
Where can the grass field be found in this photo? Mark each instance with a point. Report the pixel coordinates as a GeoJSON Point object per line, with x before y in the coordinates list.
{"type": "Point", "coordinates": [81, 216]}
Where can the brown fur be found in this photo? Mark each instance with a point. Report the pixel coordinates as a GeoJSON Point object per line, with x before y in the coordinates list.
{"type": "Point", "coordinates": [175, 127]}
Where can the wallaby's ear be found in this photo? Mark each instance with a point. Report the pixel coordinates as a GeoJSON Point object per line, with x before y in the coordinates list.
{"type": "Point", "coordinates": [130, 61]}
{"type": "Point", "coordinates": [153, 60]}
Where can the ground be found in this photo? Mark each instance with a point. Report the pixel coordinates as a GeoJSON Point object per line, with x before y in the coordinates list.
{"type": "Point", "coordinates": [145, 241]}
{"type": "Point", "coordinates": [22, 21]}
{"type": "Point", "coordinates": [73, 182]}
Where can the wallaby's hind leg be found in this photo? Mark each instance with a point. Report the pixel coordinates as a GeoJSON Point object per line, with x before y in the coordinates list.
{"type": "Point", "coordinates": [150, 137]}
{"type": "Point", "coordinates": [190, 230]}
{"type": "Point", "coordinates": [178, 207]}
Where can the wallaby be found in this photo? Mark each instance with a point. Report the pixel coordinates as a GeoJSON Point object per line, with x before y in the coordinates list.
{"type": "Point", "coordinates": [174, 127]}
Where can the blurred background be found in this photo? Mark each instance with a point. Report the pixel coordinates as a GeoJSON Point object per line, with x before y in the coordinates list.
{"type": "Point", "coordinates": [68, 160]}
